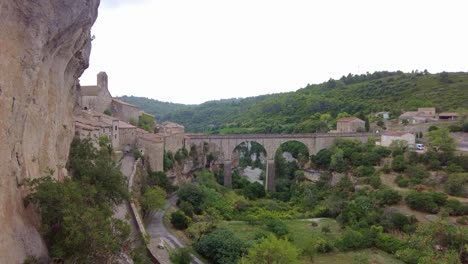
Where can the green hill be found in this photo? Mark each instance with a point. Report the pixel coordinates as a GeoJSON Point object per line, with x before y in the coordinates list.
{"type": "Point", "coordinates": [304, 109]}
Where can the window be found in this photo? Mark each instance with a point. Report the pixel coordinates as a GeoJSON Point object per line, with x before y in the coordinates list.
{"type": "Point", "coordinates": [115, 127]}
{"type": "Point", "coordinates": [115, 136]}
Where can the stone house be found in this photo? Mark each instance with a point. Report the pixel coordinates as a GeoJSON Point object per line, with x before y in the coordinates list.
{"type": "Point", "coordinates": [390, 136]}
{"type": "Point", "coordinates": [90, 124]}
{"type": "Point", "coordinates": [423, 115]}
{"type": "Point", "coordinates": [350, 124]}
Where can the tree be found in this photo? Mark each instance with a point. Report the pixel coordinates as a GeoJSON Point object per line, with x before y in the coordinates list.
{"type": "Point", "coordinates": [77, 224]}
{"type": "Point", "coordinates": [272, 251]}
{"type": "Point", "coordinates": [405, 122]}
{"type": "Point", "coordinates": [337, 162]}
{"type": "Point", "coordinates": [440, 139]}
{"type": "Point", "coordinates": [221, 247]}
{"type": "Point", "coordinates": [179, 220]}
{"type": "Point", "coordinates": [153, 198]}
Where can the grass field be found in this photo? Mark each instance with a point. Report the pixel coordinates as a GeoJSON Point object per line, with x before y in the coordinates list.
{"type": "Point", "coordinates": [301, 231]}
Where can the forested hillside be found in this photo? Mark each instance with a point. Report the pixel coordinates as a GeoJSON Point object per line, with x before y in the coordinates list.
{"type": "Point", "coordinates": [315, 107]}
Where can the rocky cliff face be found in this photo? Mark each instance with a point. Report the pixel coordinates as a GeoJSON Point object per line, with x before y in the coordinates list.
{"type": "Point", "coordinates": [44, 48]}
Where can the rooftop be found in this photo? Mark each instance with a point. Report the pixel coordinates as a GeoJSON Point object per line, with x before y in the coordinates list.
{"type": "Point", "coordinates": [348, 119]}
{"type": "Point", "coordinates": [395, 133]}
{"type": "Point", "coordinates": [91, 90]}
{"type": "Point", "coordinates": [123, 103]}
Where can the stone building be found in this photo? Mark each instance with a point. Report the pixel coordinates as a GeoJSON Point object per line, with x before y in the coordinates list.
{"type": "Point", "coordinates": [125, 111]}
{"type": "Point", "coordinates": [350, 124]}
{"type": "Point", "coordinates": [173, 134]}
{"type": "Point", "coordinates": [152, 148]}
{"type": "Point", "coordinates": [96, 97]}
{"type": "Point", "coordinates": [90, 124]}
{"type": "Point", "coordinates": [423, 115]}
{"type": "Point", "coordinates": [390, 136]}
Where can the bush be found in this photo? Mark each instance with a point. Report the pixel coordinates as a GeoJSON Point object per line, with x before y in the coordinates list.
{"type": "Point", "coordinates": [427, 202]}
{"type": "Point", "coordinates": [375, 181]}
{"type": "Point", "coordinates": [388, 243]}
{"type": "Point", "coordinates": [254, 191]}
{"type": "Point", "coordinates": [456, 184]}
{"type": "Point", "coordinates": [179, 220]}
{"type": "Point", "coordinates": [277, 227]}
{"type": "Point", "coordinates": [398, 163]}
{"type": "Point", "coordinates": [187, 208]}
{"type": "Point", "coordinates": [402, 181]}
{"type": "Point", "coordinates": [456, 208]}
{"type": "Point", "coordinates": [352, 240]}
{"type": "Point", "coordinates": [181, 256]}
{"type": "Point", "coordinates": [388, 197]}
{"type": "Point", "coordinates": [221, 247]}
{"type": "Point", "coordinates": [364, 171]}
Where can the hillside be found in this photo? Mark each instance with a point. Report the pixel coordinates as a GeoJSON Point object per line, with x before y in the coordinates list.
{"type": "Point", "coordinates": [300, 111]}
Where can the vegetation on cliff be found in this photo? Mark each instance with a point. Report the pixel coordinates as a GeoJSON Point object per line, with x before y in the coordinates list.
{"type": "Point", "coordinates": [76, 214]}
{"type": "Point", "coordinates": [315, 107]}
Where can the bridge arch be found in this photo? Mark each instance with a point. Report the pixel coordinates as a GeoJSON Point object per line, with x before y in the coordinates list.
{"type": "Point", "coordinates": [271, 143]}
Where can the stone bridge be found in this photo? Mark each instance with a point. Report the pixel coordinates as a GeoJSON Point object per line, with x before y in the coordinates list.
{"type": "Point", "coordinates": [270, 142]}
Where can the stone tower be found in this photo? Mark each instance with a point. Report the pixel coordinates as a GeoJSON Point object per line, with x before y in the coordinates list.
{"type": "Point", "coordinates": [102, 80]}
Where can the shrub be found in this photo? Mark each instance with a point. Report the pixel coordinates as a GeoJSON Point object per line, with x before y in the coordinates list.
{"type": "Point", "coordinates": [277, 227]}
{"type": "Point", "coordinates": [388, 243]}
{"type": "Point", "coordinates": [388, 197]}
{"type": "Point", "coordinates": [352, 240]}
{"type": "Point", "coordinates": [364, 171]}
{"type": "Point", "coordinates": [427, 202]}
{"type": "Point", "coordinates": [456, 208]}
{"type": "Point", "coordinates": [325, 229]}
{"type": "Point", "coordinates": [179, 220]}
{"type": "Point", "coordinates": [402, 181]}
{"type": "Point", "coordinates": [456, 184]}
{"type": "Point", "coordinates": [187, 208]}
{"type": "Point", "coordinates": [254, 191]}
{"type": "Point", "coordinates": [398, 163]}
{"type": "Point", "coordinates": [463, 220]}
{"type": "Point", "coordinates": [375, 181]}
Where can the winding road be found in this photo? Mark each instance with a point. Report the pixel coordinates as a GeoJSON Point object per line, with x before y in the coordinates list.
{"type": "Point", "coordinates": [157, 231]}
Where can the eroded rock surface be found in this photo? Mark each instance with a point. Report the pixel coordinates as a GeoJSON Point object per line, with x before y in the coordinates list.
{"type": "Point", "coordinates": [44, 48]}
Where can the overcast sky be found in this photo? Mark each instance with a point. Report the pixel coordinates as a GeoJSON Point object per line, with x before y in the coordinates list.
{"type": "Point", "coordinates": [192, 51]}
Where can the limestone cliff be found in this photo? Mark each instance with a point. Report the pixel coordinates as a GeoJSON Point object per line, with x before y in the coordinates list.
{"type": "Point", "coordinates": [44, 48]}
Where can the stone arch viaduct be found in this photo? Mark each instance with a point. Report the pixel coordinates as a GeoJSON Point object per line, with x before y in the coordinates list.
{"type": "Point", "coordinates": [271, 142]}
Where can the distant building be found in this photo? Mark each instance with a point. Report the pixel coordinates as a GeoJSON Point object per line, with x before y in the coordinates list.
{"type": "Point", "coordinates": [423, 115]}
{"type": "Point", "coordinates": [170, 128]}
{"type": "Point", "coordinates": [448, 116]}
{"type": "Point", "coordinates": [350, 124]}
{"type": "Point", "coordinates": [390, 136]}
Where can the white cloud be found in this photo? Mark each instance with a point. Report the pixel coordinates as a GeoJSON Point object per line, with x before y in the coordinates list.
{"type": "Point", "coordinates": [192, 51]}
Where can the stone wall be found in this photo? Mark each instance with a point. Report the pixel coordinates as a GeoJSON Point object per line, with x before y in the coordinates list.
{"type": "Point", "coordinates": [125, 112]}
{"type": "Point", "coordinates": [127, 137]}
{"type": "Point", "coordinates": [174, 142]}
{"type": "Point", "coordinates": [153, 151]}
{"type": "Point", "coordinates": [45, 46]}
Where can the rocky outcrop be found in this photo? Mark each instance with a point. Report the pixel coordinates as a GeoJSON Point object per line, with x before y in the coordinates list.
{"type": "Point", "coordinates": [44, 48]}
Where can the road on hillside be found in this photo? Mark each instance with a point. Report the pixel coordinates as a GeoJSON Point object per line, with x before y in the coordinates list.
{"type": "Point", "coordinates": [158, 231]}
